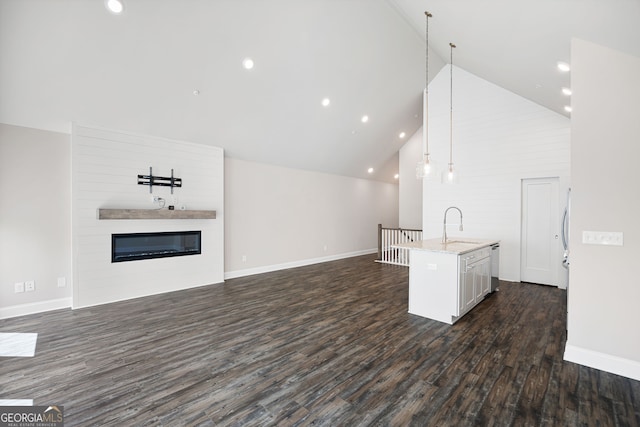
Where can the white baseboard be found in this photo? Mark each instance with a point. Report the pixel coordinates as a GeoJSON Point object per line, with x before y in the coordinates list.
{"type": "Point", "coordinates": [39, 307]}
{"type": "Point", "coordinates": [293, 264]}
{"type": "Point", "coordinates": [34, 307]}
{"type": "Point", "coordinates": [602, 361]}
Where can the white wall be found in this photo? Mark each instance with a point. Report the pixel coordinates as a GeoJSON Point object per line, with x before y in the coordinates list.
{"type": "Point", "coordinates": [605, 131]}
{"type": "Point", "coordinates": [278, 217]}
{"type": "Point", "coordinates": [35, 219]}
{"type": "Point", "coordinates": [410, 188]}
{"type": "Point", "coordinates": [499, 138]}
{"type": "Point", "coordinates": [105, 166]}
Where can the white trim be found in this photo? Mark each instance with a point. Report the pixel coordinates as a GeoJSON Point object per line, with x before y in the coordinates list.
{"type": "Point", "coordinates": [293, 264]}
{"type": "Point", "coordinates": [99, 303]}
{"type": "Point", "coordinates": [39, 307]}
{"type": "Point", "coordinates": [602, 361]}
{"type": "Point", "coordinates": [16, 402]}
{"type": "Point", "coordinates": [34, 307]}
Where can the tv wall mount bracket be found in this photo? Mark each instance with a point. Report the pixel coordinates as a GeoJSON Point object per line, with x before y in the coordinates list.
{"type": "Point", "coordinates": [161, 181]}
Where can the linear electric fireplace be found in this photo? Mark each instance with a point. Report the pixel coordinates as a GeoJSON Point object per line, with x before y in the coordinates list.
{"type": "Point", "coordinates": [135, 246]}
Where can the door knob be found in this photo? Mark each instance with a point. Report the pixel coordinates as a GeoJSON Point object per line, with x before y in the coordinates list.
{"type": "Point", "coordinates": [556, 237]}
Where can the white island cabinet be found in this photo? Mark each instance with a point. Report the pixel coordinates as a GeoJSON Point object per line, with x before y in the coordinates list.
{"type": "Point", "coordinates": [448, 280]}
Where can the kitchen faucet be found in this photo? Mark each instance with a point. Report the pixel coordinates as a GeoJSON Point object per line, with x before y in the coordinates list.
{"type": "Point", "coordinates": [444, 225]}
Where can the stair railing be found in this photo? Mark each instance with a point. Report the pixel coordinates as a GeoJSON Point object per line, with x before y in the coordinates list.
{"type": "Point", "coordinates": [388, 237]}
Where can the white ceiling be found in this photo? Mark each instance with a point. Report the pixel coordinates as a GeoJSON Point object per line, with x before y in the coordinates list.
{"type": "Point", "coordinates": [71, 60]}
{"type": "Point", "coordinates": [516, 44]}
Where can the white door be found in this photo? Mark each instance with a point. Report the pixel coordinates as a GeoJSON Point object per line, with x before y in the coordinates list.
{"type": "Point", "coordinates": [540, 240]}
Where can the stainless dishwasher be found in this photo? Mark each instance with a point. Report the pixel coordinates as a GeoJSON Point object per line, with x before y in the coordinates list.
{"type": "Point", "coordinates": [495, 266]}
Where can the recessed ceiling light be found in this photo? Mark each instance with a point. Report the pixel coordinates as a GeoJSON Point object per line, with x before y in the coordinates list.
{"type": "Point", "coordinates": [364, 119]}
{"type": "Point", "coordinates": [566, 91]}
{"type": "Point", "coordinates": [396, 176]}
{"type": "Point", "coordinates": [370, 170]}
{"type": "Point", "coordinates": [114, 6]}
{"type": "Point", "coordinates": [568, 108]}
{"type": "Point", "coordinates": [326, 102]}
{"type": "Point", "coordinates": [196, 92]}
{"type": "Point", "coordinates": [402, 135]}
{"type": "Point", "coordinates": [247, 63]}
{"type": "Point", "coordinates": [563, 66]}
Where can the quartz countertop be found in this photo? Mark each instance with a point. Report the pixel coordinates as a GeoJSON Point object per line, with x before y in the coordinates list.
{"type": "Point", "coordinates": [454, 245]}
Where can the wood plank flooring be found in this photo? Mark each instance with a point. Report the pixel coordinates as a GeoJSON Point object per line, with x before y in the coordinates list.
{"type": "Point", "coordinates": [327, 344]}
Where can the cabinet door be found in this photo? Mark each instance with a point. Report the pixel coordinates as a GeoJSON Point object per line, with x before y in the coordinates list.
{"type": "Point", "coordinates": [462, 274]}
{"type": "Point", "coordinates": [486, 277]}
{"type": "Point", "coordinates": [482, 279]}
{"type": "Point", "coordinates": [468, 288]}
{"type": "Point", "coordinates": [478, 283]}
{"type": "Point", "coordinates": [475, 280]}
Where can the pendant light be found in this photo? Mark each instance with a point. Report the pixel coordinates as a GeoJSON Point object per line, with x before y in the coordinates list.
{"type": "Point", "coordinates": [451, 177]}
{"type": "Point", "coordinates": [424, 169]}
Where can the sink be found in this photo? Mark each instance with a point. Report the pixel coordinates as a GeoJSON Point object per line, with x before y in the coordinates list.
{"type": "Point", "coordinates": [464, 242]}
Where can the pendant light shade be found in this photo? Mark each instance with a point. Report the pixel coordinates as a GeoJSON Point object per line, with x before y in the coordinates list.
{"type": "Point", "coordinates": [424, 169]}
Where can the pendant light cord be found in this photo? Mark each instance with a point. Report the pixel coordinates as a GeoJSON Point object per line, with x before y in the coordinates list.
{"type": "Point", "coordinates": [451, 111]}
{"type": "Point", "coordinates": [426, 37]}
{"type": "Point", "coordinates": [425, 123]}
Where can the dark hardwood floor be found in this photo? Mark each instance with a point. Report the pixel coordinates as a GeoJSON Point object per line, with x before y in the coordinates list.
{"type": "Point", "coordinates": [328, 344]}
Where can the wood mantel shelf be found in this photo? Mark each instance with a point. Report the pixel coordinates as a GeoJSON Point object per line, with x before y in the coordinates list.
{"type": "Point", "coordinates": [154, 214]}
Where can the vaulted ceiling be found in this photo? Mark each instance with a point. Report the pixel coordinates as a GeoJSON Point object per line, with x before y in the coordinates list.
{"type": "Point", "coordinates": [174, 69]}
{"type": "Point", "coordinates": [516, 44]}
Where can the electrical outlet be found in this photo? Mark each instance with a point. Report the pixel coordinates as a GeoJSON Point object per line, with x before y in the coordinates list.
{"type": "Point", "coordinates": [30, 285]}
{"type": "Point", "coordinates": [244, 258]}
{"type": "Point", "coordinates": [18, 287]}
{"type": "Point", "coordinates": [62, 282]}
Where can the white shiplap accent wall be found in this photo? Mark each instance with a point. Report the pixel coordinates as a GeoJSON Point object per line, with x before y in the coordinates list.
{"type": "Point", "coordinates": [105, 166]}
{"type": "Point", "coordinates": [499, 138]}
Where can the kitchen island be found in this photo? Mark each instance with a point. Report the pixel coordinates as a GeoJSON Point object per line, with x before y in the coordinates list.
{"type": "Point", "coordinates": [446, 280]}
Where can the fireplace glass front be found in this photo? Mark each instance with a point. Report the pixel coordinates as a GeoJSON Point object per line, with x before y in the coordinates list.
{"type": "Point", "coordinates": [136, 246]}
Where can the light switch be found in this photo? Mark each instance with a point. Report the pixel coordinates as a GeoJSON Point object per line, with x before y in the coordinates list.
{"type": "Point", "coordinates": [606, 238]}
